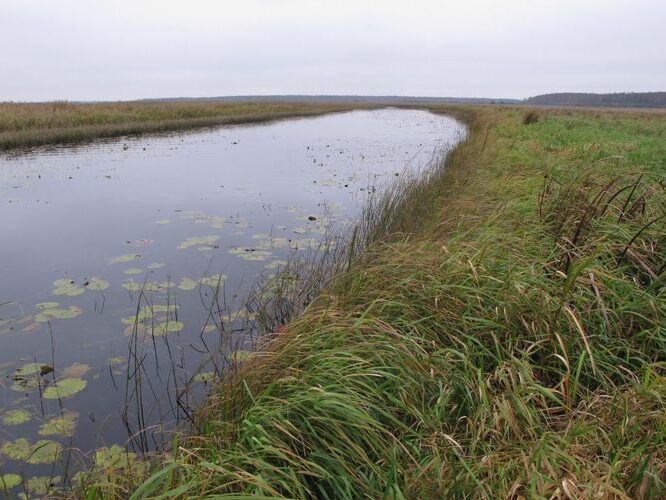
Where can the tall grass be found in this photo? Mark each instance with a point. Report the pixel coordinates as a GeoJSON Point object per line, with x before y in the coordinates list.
{"type": "Point", "coordinates": [33, 124]}
{"type": "Point", "coordinates": [501, 334]}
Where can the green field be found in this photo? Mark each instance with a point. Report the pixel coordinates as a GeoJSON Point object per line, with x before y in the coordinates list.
{"type": "Point", "coordinates": [34, 124]}
{"type": "Point", "coordinates": [502, 334]}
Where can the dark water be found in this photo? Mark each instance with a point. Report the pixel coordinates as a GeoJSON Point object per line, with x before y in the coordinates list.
{"type": "Point", "coordinates": [85, 227]}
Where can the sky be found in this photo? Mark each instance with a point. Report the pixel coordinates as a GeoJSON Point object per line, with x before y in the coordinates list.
{"type": "Point", "coordinates": [131, 49]}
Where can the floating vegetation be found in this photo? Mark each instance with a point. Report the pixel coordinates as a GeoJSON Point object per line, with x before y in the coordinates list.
{"type": "Point", "coordinates": [43, 451]}
{"type": "Point", "coordinates": [64, 388]}
{"type": "Point", "coordinates": [67, 287]}
{"type": "Point", "coordinates": [187, 284]}
{"type": "Point", "coordinates": [148, 286]}
{"type": "Point", "coordinates": [97, 284]}
{"type": "Point", "coordinates": [62, 425]}
{"type": "Point", "coordinates": [204, 377]}
{"type": "Point", "coordinates": [41, 485]}
{"type": "Point", "coordinates": [71, 288]}
{"type": "Point", "coordinates": [155, 265]}
{"type": "Point", "coordinates": [197, 241]}
{"type": "Point", "coordinates": [133, 270]}
{"type": "Point", "coordinates": [250, 253]}
{"type": "Point", "coordinates": [128, 257]}
{"type": "Point", "coordinates": [214, 280]}
{"type": "Point", "coordinates": [209, 329]}
{"type": "Point", "coordinates": [76, 370]}
{"type": "Point", "coordinates": [29, 376]}
{"type": "Point", "coordinates": [50, 310]}
{"type": "Point", "coordinates": [9, 481]}
{"type": "Point", "coordinates": [163, 221]}
{"type": "Point", "coordinates": [154, 319]}
{"type": "Point", "coordinates": [240, 314]}
{"type": "Point", "coordinates": [116, 457]}
{"type": "Point", "coordinates": [16, 417]}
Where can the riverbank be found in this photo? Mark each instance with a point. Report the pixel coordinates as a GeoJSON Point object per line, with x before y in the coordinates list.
{"type": "Point", "coordinates": [503, 337]}
{"type": "Point", "coordinates": [24, 125]}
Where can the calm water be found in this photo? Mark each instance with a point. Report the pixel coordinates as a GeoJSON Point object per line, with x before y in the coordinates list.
{"type": "Point", "coordinates": [82, 229]}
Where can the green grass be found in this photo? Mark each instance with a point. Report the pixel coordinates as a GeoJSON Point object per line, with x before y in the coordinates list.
{"type": "Point", "coordinates": [34, 124]}
{"type": "Point", "coordinates": [501, 335]}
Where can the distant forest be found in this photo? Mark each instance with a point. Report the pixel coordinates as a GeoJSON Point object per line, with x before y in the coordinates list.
{"type": "Point", "coordinates": [626, 99]}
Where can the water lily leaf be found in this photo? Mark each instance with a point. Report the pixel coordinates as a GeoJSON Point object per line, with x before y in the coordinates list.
{"type": "Point", "coordinates": [76, 370]}
{"type": "Point", "coordinates": [62, 425]}
{"type": "Point", "coordinates": [16, 417]}
{"type": "Point", "coordinates": [240, 314]}
{"type": "Point", "coordinates": [163, 221]}
{"type": "Point", "coordinates": [128, 257]}
{"type": "Point", "coordinates": [41, 485]}
{"type": "Point", "coordinates": [9, 481]}
{"type": "Point", "coordinates": [204, 377]}
{"type": "Point", "coordinates": [57, 313]}
{"type": "Point", "coordinates": [46, 305]}
{"type": "Point", "coordinates": [148, 286]}
{"type": "Point", "coordinates": [187, 284]}
{"type": "Point", "coordinates": [31, 369]}
{"type": "Point", "coordinates": [116, 457]}
{"type": "Point", "coordinates": [198, 241]}
{"type": "Point", "coordinates": [258, 255]}
{"type": "Point", "coordinates": [64, 387]}
{"type": "Point", "coordinates": [19, 449]}
{"type": "Point", "coordinates": [149, 313]}
{"type": "Point", "coordinates": [261, 236]}
{"type": "Point", "coordinates": [156, 265]}
{"type": "Point", "coordinates": [133, 270]}
{"type": "Point", "coordinates": [98, 284]}
{"type": "Point", "coordinates": [44, 451]}
{"type": "Point", "coordinates": [67, 287]}
{"type": "Point", "coordinates": [168, 326]}
{"type": "Point", "coordinates": [214, 280]}
{"type": "Point", "coordinates": [208, 329]}
{"type": "Point", "coordinates": [132, 286]}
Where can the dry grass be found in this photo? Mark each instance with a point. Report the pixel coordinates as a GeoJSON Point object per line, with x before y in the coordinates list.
{"type": "Point", "coordinates": [25, 125]}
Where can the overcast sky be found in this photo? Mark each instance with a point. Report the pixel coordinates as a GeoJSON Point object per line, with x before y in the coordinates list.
{"type": "Point", "coordinates": [126, 49]}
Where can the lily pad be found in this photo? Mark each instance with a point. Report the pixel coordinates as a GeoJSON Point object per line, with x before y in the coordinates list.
{"type": "Point", "coordinates": [115, 457]}
{"type": "Point", "coordinates": [168, 326]}
{"type": "Point", "coordinates": [63, 425]}
{"type": "Point", "coordinates": [9, 481]}
{"type": "Point", "coordinates": [133, 270]}
{"type": "Point", "coordinates": [209, 329]}
{"type": "Point", "coordinates": [204, 377]}
{"type": "Point", "coordinates": [54, 312]}
{"type": "Point", "coordinates": [42, 485]}
{"type": "Point", "coordinates": [44, 451]}
{"type": "Point", "coordinates": [187, 284]}
{"type": "Point", "coordinates": [16, 417]}
{"type": "Point", "coordinates": [76, 370]}
{"type": "Point", "coordinates": [257, 255]}
{"type": "Point", "coordinates": [96, 283]}
{"type": "Point", "coordinates": [128, 257]}
{"type": "Point", "coordinates": [214, 280]}
{"type": "Point", "coordinates": [64, 387]}
{"type": "Point", "coordinates": [19, 449]}
{"type": "Point", "coordinates": [67, 287]}
{"type": "Point", "coordinates": [155, 265]}
{"type": "Point", "coordinates": [163, 221]}
{"type": "Point", "coordinates": [197, 241]}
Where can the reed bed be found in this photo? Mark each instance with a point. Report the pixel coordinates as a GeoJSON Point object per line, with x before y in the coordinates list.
{"type": "Point", "coordinates": [24, 125]}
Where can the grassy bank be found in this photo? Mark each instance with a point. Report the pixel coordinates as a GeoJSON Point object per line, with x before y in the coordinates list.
{"type": "Point", "coordinates": [35, 124]}
{"type": "Point", "coordinates": [503, 335]}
